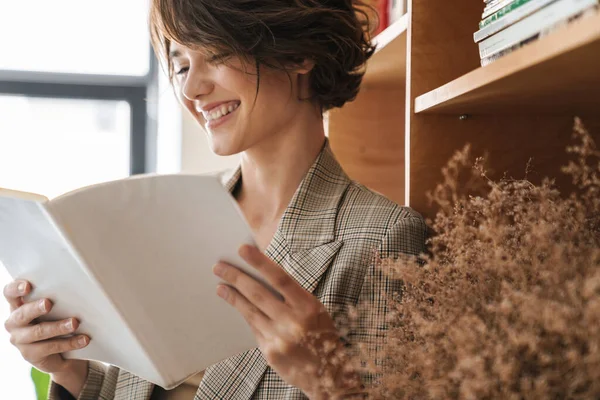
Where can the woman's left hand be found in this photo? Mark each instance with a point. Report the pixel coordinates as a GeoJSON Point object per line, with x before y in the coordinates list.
{"type": "Point", "coordinates": [296, 334]}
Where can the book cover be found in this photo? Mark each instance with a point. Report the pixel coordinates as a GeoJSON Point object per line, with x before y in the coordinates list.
{"type": "Point", "coordinates": [502, 12]}
{"type": "Point", "coordinates": [495, 7]}
{"type": "Point", "coordinates": [528, 7]}
{"type": "Point", "coordinates": [587, 12]}
{"type": "Point", "coordinates": [533, 24]}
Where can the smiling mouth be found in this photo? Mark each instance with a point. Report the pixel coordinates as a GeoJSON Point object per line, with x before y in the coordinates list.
{"type": "Point", "coordinates": [220, 111]}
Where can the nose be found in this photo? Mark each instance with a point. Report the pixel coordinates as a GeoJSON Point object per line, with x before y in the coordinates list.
{"type": "Point", "coordinates": [197, 84]}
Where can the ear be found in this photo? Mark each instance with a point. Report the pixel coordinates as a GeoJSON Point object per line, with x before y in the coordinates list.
{"type": "Point", "coordinates": [304, 67]}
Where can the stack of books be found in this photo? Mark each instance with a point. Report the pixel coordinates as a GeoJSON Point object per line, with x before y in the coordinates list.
{"type": "Point", "coordinates": [508, 25]}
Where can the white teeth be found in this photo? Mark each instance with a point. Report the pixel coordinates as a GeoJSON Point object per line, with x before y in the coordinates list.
{"type": "Point", "coordinates": [220, 111]}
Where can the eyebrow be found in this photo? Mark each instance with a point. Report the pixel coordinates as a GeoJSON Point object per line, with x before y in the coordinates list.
{"type": "Point", "coordinates": [174, 53]}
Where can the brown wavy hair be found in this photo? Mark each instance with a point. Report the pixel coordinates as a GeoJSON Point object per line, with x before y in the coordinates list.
{"type": "Point", "coordinates": [276, 34]}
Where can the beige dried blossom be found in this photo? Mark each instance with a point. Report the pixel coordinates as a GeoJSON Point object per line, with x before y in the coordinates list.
{"type": "Point", "coordinates": [507, 305]}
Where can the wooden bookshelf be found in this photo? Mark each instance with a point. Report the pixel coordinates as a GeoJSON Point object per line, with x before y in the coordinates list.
{"type": "Point", "coordinates": [391, 33]}
{"type": "Point", "coordinates": [387, 66]}
{"type": "Point", "coordinates": [367, 135]}
{"type": "Point", "coordinates": [525, 79]}
{"type": "Point", "coordinates": [425, 96]}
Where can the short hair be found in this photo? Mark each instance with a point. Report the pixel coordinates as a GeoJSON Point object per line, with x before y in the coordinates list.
{"type": "Point", "coordinates": [333, 34]}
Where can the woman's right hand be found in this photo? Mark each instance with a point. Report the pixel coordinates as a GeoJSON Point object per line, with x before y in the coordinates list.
{"type": "Point", "coordinates": [40, 343]}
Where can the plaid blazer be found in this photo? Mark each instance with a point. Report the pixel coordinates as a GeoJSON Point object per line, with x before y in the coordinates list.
{"type": "Point", "coordinates": [326, 240]}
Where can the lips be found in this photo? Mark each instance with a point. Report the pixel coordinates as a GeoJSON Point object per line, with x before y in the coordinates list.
{"type": "Point", "coordinates": [211, 106]}
{"type": "Point", "coordinates": [220, 111]}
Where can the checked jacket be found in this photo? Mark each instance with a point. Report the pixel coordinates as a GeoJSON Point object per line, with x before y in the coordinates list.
{"type": "Point", "coordinates": [326, 240]}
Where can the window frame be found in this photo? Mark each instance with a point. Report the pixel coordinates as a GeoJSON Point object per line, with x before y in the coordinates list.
{"type": "Point", "coordinates": [141, 92]}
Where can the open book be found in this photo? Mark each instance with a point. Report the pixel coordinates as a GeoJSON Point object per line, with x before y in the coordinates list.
{"type": "Point", "coordinates": [132, 260]}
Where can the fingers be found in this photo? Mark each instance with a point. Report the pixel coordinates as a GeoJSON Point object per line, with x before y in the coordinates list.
{"type": "Point", "coordinates": [293, 293]}
{"type": "Point", "coordinates": [14, 292]}
{"type": "Point", "coordinates": [43, 331]}
{"type": "Point", "coordinates": [258, 321]}
{"type": "Point", "coordinates": [25, 314]}
{"type": "Point", "coordinates": [252, 290]}
{"type": "Point", "coordinates": [36, 352]}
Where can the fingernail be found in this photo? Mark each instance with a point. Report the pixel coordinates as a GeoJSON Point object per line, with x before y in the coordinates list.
{"type": "Point", "coordinates": [218, 269]}
{"type": "Point", "coordinates": [222, 292]}
{"type": "Point", "coordinates": [69, 325]}
{"type": "Point", "coordinates": [82, 341]}
{"type": "Point", "coordinates": [43, 306]}
{"type": "Point", "coordinates": [22, 287]}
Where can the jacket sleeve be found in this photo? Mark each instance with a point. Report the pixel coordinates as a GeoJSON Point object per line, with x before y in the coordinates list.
{"type": "Point", "coordinates": [406, 237]}
{"type": "Point", "coordinates": [100, 384]}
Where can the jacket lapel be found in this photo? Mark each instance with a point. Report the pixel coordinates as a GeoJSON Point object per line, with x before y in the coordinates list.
{"type": "Point", "coordinates": [304, 245]}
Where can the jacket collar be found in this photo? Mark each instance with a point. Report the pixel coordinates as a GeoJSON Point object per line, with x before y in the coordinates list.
{"type": "Point", "coordinates": [304, 244]}
{"type": "Point", "coordinates": [309, 219]}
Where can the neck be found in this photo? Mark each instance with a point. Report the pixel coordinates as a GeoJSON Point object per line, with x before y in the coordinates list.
{"type": "Point", "coordinates": [273, 169]}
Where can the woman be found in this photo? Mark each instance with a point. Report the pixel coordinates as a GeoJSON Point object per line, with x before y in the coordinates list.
{"type": "Point", "coordinates": [258, 75]}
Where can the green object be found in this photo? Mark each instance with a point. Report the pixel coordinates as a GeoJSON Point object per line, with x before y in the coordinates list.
{"type": "Point", "coordinates": [41, 382]}
{"type": "Point", "coordinates": [502, 12]}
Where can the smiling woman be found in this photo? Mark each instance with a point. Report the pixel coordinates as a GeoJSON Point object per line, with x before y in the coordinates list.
{"type": "Point", "coordinates": [275, 58]}
{"type": "Point", "coordinates": [257, 76]}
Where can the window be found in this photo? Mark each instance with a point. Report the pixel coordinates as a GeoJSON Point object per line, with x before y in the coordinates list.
{"type": "Point", "coordinates": [53, 146]}
{"type": "Point", "coordinates": [78, 106]}
{"type": "Point", "coordinates": [108, 37]}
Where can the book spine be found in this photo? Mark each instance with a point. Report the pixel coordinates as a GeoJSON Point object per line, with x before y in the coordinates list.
{"type": "Point", "coordinates": [502, 12]}
{"type": "Point", "coordinates": [492, 3]}
{"type": "Point", "coordinates": [548, 16]}
{"type": "Point", "coordinates": [396, 10]}
{"type": "Point", "coordinates": [495, 8]}
{"type": "Point", "coordinates": [587, 12]}
{"type": "Point", "coordinates": [382, 15]}
{"type": "Point", "coordinates": [511, 18]}
{"type": "Point", "coordinates": [500, 54]}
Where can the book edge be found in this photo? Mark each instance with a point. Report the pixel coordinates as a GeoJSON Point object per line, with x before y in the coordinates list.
{"type": "Point", "coordinates": [19, 194]}
{"type": "Point", "coordinates": [485, 52]}
{"type": "Point", "coordinates": [496, 9]}
{"type": "Point", "coordinates": [515, 16]}
{"type": "Point", "coordinates": [582, 14]}
{"type": "Point", "coordinates": [504, 11]}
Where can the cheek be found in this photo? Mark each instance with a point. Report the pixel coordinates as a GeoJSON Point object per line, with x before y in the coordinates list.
{"type": "Point", "coordinates": [277, 99]}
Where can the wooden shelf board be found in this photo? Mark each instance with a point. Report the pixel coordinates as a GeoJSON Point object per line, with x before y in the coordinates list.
{"type": "Point", "coordinates": [388, 64]}
{"type": "Point", "coordinates": [558, 73]}
{"type": "Point", "coordinates": [390, 33]}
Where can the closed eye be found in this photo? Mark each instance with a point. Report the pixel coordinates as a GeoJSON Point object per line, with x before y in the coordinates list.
{"type": "Point", "coordinates": [182, 71]}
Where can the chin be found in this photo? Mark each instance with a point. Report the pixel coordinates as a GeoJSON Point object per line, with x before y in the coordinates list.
{"type": "Point", "coordinates": [223, 147]}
